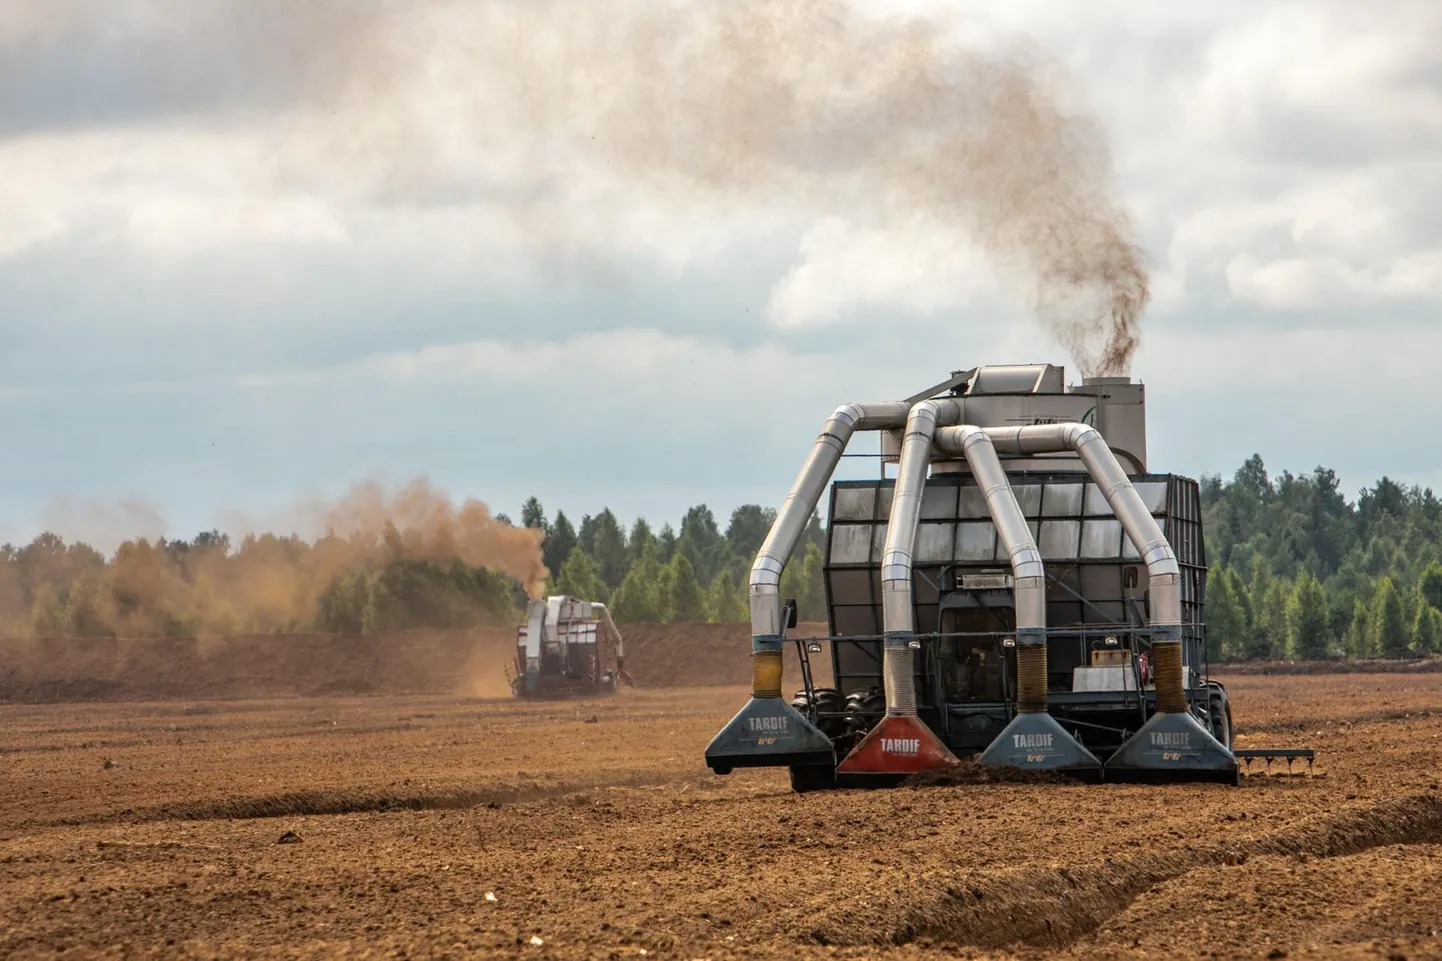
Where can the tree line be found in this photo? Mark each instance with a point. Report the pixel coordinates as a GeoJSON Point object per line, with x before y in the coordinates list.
{"type": "Point", "coordinates": [1300, 571]}
{"type": "Point", "coordinates": [1297, 570]}
{"type": "Point", "coordinates": [699, 573]}
{"type": "Point", "coordinates": [391, 579]}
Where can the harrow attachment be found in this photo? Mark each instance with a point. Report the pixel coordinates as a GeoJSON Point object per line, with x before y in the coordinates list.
{"type": "Point", "coordinates": [1267, 755]}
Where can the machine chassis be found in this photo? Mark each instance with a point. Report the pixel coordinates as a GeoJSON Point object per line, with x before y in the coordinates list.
{"type": "Point", "coordinates": [1100, 720]}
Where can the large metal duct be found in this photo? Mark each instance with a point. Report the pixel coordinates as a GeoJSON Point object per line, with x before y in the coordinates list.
{"type": "Point", "coordinates": [1033, 738]}
{"type": "Point", "coordinates": [1172, 734]}
{"type": "Point", "coordinates": [603, 614]}
{"type": "Point", "coordinates": [1163, 573]}
{"type": "Point", "coordinates": [790, 524]}
{"type": "Point", "coordinates": [898, 617]}
{"type": "Point", "coordinates": [535, 621]}
{"type": "Point", "coordinates": [900, 743]}
{"type": "Point", "coordinates": [767, 730]}
{"type": "Point", "coordinates": [1028, 574]}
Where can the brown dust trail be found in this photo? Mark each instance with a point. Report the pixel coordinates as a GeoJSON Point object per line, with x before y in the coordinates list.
{"type": "Point", "coordinates": [262, 582]}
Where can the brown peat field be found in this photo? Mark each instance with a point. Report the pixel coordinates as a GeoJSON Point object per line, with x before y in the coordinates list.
{"type": "Point", "coordinates": [146, 791]}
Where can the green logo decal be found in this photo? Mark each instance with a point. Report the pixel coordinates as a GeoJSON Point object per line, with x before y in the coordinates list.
{"type": "Point", "coordinates": [1090, 417]}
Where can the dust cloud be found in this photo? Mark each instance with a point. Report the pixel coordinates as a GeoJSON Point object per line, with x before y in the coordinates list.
{"type": "Point", "coordinates": [265, 582]}
{"type": "Point", "coordinates": [103, 524]}
{"type": "Point", "coordinates": [820, 107]}
{"type": "Point", "coordinates": [420, 522]}
{"type": "Point", "coordinates": [486, 673]}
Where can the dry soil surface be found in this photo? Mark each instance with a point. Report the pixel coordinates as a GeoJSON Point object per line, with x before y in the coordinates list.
{"type": "Point", "coordinates": [449, 826]}
{"type": "Point", "coordinates": [473, 663]}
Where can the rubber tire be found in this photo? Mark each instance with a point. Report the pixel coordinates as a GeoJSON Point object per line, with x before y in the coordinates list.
{"type": "Point", "coordinates": [1219, 708]}
{"type": "Point", "coordinates": [813, 777]}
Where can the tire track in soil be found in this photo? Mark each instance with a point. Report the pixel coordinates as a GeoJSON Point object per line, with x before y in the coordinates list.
{"type": "Point", "coordinates": [341, 801]}
{"type": "Point", "coordinates": [1301, 725]}
{"type": "Point", "coordinates": [1228, 669]}
{"type": "Point", "coordinates": [83, 746]}
{"type": "Point", "coordinates": [1057, 907]}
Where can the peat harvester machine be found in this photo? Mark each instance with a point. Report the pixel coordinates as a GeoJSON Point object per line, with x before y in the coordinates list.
{"type": "Point", "coordinates": [568, 647]}
{"type": "Point", "coordinates": [1025, 590]}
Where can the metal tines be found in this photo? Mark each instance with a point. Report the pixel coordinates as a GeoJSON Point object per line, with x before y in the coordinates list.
{"type": "Point", "coordinates": [1267, 755]}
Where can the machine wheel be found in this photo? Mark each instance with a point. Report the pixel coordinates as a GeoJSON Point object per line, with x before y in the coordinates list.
{"type": "Point", "coordinates": [1219, 710]}
{"type": "Point", "coordinates": [828, 701]}
{"type": "Point", "coordinates": [813, 777]}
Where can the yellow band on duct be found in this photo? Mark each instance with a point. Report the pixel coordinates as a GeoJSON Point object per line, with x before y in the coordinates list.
{"type": "Point", "coordinates": [766, 674]}
{"type": "Point", "coordinates": [1167, 665]}
{"type": "Point", "coordinates": [1031, 679]}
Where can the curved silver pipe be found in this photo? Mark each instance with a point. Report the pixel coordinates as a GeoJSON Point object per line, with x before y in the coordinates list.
{"type": "Point", "coordinates": [897, 616]}
{"type": "Point", "coordinates": [795, 512]}
{"type": "Point", "coordinates": [1163, 571]}
{"type": "Point", "coordinates": [600, 610]}
{"type": "Point", "coordinates": [1012, 529]}
{"type": "Point", "coordinates": [911, 470]}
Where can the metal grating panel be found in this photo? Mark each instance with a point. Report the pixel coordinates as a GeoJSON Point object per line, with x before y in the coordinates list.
{"type": "Point", "coordinates": [1028, 497]}
{"type": "Point", "coordinates": [853, 504]}
{"type": "Point", "coordinates": [1061, 540]}
{"type": "Point", "coordinates": [1084, 547]}
{"type": "Point", "coordinates": [1101, 539]}
{"type": "Point", "coordinates": [935, 543]}
{"type": "Point", "coordinates": [939, 503]}
{"type": "Point", "coordinates": [1061, 500]}
{"type": "Point", "coordinates": [1153, 494]}
{"type": "Point", "coordinates": [850, 543]}
{"type": "Point", "coordinates": [973, 503]}
{"type": "Point", "coordinates": [975, 541]}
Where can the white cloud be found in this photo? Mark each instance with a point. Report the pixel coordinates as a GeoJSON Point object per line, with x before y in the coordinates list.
{"type": "Point", "coordinates": [1365, 368]}
{"type": "Point", "coordinates": [1199, 101]}
{"type": "Point", "coordinates": [611, 366]}
{"type": "Point", "coordinates": [845, 270]}
{"type": "Point", "coordinates": [1295, 282]}
{"type": "Point", "coordinates": [1326, 282]}
{"type": "Point", "coordinates": [1284, 164]}
{"type": "Point", "coordinates": [156, 191]}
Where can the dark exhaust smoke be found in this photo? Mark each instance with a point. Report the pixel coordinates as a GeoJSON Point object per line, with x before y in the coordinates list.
{"type": "Point", "coordinates": [816, 107]}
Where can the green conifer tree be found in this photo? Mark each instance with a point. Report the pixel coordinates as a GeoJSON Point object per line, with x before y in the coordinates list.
{"type": "Point", "coordinates": [1359, 632]}
{"type": "Point", "coordinates": [1425, 630]}
{"type": "Point", "coordinates": [638, 599]}
{"type": "Point", "coordinates": [1430, 585]}
{"type": "Point", "coordinates": [1390, 634]}
{"type": "Point", "coordinates": [687, 601]}
{"type": "Point", "coordinates": [581, 577]}
{"type": "Point", "coordinates": [1308, 621]}
{"type": "Point", "coordinates": [1226, 620]}
{"type": "Point", "coordinates": [725, 601]}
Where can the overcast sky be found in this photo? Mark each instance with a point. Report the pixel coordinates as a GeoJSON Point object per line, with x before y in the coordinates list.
{"type": "Point", "coordinates": [226, 283]}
